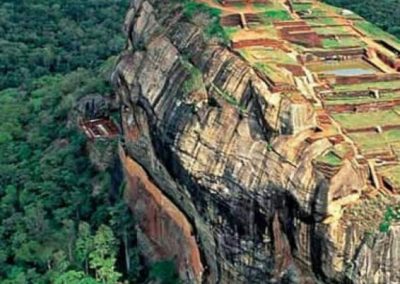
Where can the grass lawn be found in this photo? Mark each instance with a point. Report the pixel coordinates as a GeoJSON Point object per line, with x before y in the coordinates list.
{"type": "Point", "coordinates": [269, 70]}
{"type": "Point", "coordinates": [231, 31]}
{"type": "Point", "coordinates": [330, 158]}
{"type": "Point", "coordinates": [371, 141]}
{"type": "Point", "coordinates": [374, 31]}
{"type": "Point", "coordinates": [366, 86]}
{"type": "Point", "coordinates": [329, 67]}
{"type": "Point", "coordinates": [342, 42]}
{"type": "Point", "coordinates": [331, 30]}
{"type": "Point", "coordinates": [302, 7]}
{"type": "Point", "coordinates": [266, 60]}
{"type": "Point", "coordinates": [359, 100]}
{"type": "Point", "coordinates": [321, 21]}
{"type": "Point", "coordinates": [367, 119]}
{"type": "Point", "coordinates": [276, 15]}
{"type": "Point", "coordinates": [329, 8]}
{"type": "Point", "coordinates": [317, 12]}
{"type": "Point", "coordinates": [267, 55]}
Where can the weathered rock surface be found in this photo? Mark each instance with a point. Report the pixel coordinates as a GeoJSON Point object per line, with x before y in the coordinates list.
{"type": "Point", "coordinates": [222, 177]}
{"type": "Point", "coordinates": [376, 257]}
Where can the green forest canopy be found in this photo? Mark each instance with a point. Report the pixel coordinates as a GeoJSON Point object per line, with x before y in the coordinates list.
{"type": "Point", "coordinates": [62, 220]}
{"type": "Point", "coordinates": [42, 37]}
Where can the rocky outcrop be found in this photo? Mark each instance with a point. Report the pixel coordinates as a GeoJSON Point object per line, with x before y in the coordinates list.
{"type": "Point", "coordinates": [162, 226]}
{"type": "Point", "coordinates": [376, 257]}
{"type": "Point", "coordinates": [219, 170]}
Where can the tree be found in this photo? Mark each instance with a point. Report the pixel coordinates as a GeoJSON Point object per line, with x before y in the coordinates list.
{"type": "Point", "coordinates": [75, 277]}
{"type": "Point", "coordinates": [123, 224]}
{"type": "Point", "coordinates": [164, 272]}
{"type": "Point", "coordinates": [84, 245]}
{"type": "Point", "coordinates": [103, 257]}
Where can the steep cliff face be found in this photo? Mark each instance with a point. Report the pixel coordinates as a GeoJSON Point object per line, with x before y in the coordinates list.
{"type": "Point", "coordinates": [220, 170]}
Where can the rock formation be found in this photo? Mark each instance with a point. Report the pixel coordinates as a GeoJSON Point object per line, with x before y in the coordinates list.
{"type": "Point", "coordinates": [221, 174]}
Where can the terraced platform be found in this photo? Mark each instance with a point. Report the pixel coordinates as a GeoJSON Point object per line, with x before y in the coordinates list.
{"type": "Point", "coordinates": [331, 57]}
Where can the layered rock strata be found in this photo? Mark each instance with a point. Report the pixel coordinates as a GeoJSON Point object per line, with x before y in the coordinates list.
{"type": "Point", "coordinates": [221, 176]}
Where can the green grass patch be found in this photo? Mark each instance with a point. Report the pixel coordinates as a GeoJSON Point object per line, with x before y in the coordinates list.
{"type": "Point", "coordinates": [321, 21]}
{"type": "Point", "coordinates": [392, 215]}
{"type": "Point", "coordinates": [266, 55]}
{"type": "Point", "coordinates": [280, 15]}
{"type": "Point", "coordinates": [330, 158]}
{"type": "Point", "coordinates": [331, 30]}
{"type": "Point", "coordinates": [359, 100]}
{"type": "Point", "coordinates": [374, 31]}
{"type": "Point", "coordinates": [301, 7]}
{"type": "Point", "coordinates": [342, 42]}
{"type": "Point", "coordinates": [389, 85]}
{"type": "Point", "coordinates": [195, 81]}
{"type": "Point", "coordinates": [367, 119]}
{"type": "Point", "coordinates": [375, 141]}
{"type": "Point", "coordinates": [269, 6]}
{"type": "Point", "coordinates": [269, 71]}
{"type": "Point", "coordinates": [317, 12]}
{"type": "Point", "coordinates": [230, 31]}
{"type": "Point", "coordinates": [214, 28]}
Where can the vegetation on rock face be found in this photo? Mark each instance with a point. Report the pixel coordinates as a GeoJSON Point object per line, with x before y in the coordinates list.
{"type": "Point", "coordinates": [214, 29]}
{"type": "Point", "coordinates": [374, 11]}
{"type": "Point", "coordinates": [195, 80]}
{"type": "Point", "coordinates": [392, 215]}
{"type": "Point", "coordinates": [62, 219]}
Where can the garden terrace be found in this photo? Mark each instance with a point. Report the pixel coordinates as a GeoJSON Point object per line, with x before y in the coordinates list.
{"type": "Point", "coordinates": [300, 7]}
{"type": "Point", "coordinates": [262, 42]}
{"type": "Point", "coordinates": [391, 178]}
{"type": "Point", "coordinates": [267, 55]}
{"type": "Point", "coordinates": [337, 42]}
{"type": "Point", "coordinates": [315, 53]}
{"type": "Point", "coordinates": [344, 68]}
{"type": "Point", "coordinates": [232, 20]}
{"type": "Point", "coordinates": [392, 62]}
{"type": "Point", "coordinates": [373, 140]}
{"type": "Point", "coordinates": [274, 64]}
{"type": "Point", "coordinates": [366, 78]}
{"type": "Point", "coordinates": [391, 85]}
{"type": "Point", "coordinates": [371, 31]}
{"type": "Point", "coordinates": [333, 31]}
{"type": "Point", "coordinates": [362, 106]}
{"type": "Point", "coordinates": [254, 19]}
{"type": "Point", "coordinates": [357, 100]}
{"type": "Point", "coordinates": [275, 82]}
{"type": "Point", "coordinates": [390, 47]}
{"type": "Point", "coordinates": [361, 120]}
{"type": "Point", "coordinates": [299, 33]}
{"type": "Point", "coordinates": [338, 54]}
{"type": "Point", "coordinates": [296, 70]}
{"type": "Point", "coordinates": [243, 2]}
{"type": "Point", "coordinates": [290, 24]}
{"type": "Point", "coordinates": [323, 22]}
